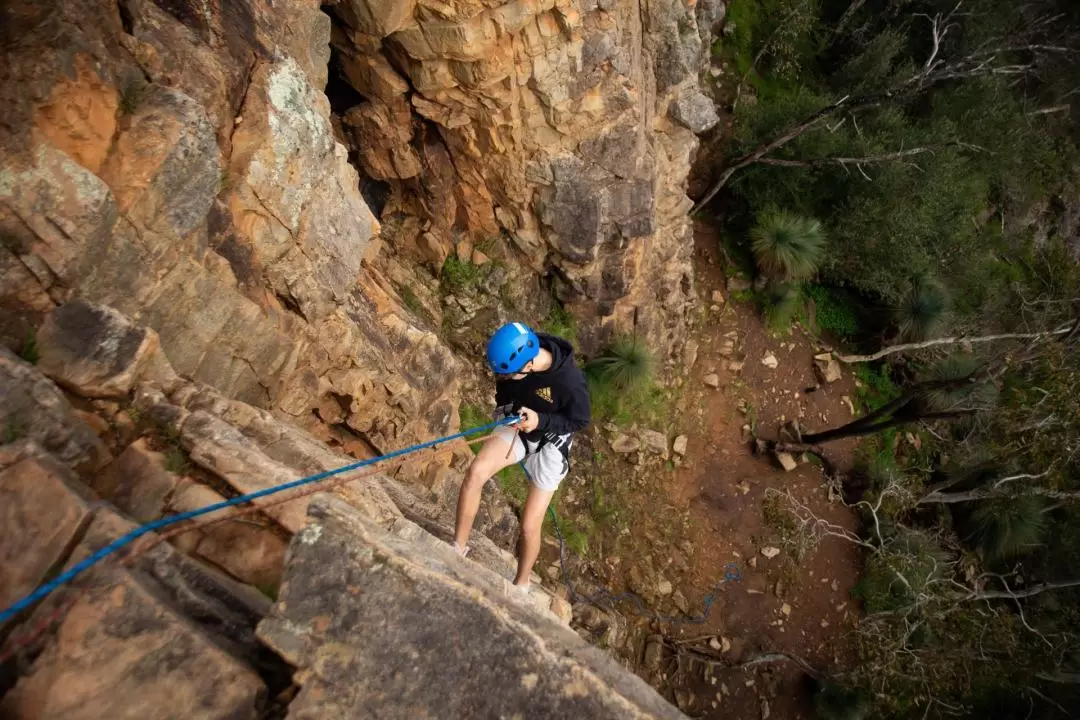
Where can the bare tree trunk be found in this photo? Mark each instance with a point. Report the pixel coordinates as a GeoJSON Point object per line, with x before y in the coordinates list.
{"type": "Point", "coordinates": [763, 150]}
{"type": "Point", "coordinates": [867, 160]}
{"type": "Point", "coordinates": [847, 16]}
{"type": "Point", "coordinates": [859, 429]}
{"type": "Point", "coordinates": [893, 349]}
{"type": "Point", "coordinates": [985, 494]}
{"type": "Point", "coordinates": [1017, 594]}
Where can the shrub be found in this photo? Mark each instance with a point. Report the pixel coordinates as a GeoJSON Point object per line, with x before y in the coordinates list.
{"type": "Point", "coordinates": [459, 275]}
{"type": "Point", "coordinates": [836, 702]}
{"type": "Point", "coordinates": [624, 365]}
{"type": "Point", "coordinates": [29, 350]}
{"type": "Point", "coordinates": [922, 310]}
{"type": "Point", "coordinates": [878, 387]}
{"type": "Point", "coordinates": [787, 246]}
{"type": "Point", "coordinates": [779, 303]}
{"type": "Point", "coordinates": [560, 322]}
{"type": "Point", "coordinates": [471, 416]}
{"type": "Point", "coordinates": [834, 312]}
{"type": "Point", "coordinates": [1005, 529]}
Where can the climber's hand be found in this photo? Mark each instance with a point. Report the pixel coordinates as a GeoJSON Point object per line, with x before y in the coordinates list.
{"type": "Point", "coordinates": [529, 421]}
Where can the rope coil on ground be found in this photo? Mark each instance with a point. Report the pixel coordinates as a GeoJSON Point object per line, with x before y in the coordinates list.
{"type": "Point", "coordinates": [124, 540]}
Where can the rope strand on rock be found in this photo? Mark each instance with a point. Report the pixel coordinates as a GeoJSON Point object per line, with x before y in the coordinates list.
{"type": "Point", "coordinates": [119, 543]}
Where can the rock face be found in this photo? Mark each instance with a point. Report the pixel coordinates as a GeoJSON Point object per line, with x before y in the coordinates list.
{"type": "Point", "coordinates": [32, 407]}
{"type": "Point", "coordinates": [455, 640]}
{"type": "Point", "coordinates": [168, 632]}
{"type": "Point", "coordinates": [97, 352]}
{"type": "Point", "coordinates": [178, 163]}
{"type": "Point", "coordinates": [544, 125]}
{"type": "Point", "coordinates": [41, 516]}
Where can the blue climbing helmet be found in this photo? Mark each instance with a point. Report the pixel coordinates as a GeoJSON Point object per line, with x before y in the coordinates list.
{"type": "Point", "coordinates": [511, 347]}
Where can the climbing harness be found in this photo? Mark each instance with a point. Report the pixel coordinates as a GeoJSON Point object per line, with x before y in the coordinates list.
{"type": "Point", "coordinates": [731, 574]}
{"type": "Point", "coordinates": [124, 540]}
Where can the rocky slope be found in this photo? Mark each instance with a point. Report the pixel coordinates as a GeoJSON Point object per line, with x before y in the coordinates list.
{"type": "Point", "coordinates": [375, 616]}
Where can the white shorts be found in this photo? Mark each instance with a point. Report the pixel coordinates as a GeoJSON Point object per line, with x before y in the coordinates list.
{"type": "Point", "coordinates": [546, 462]}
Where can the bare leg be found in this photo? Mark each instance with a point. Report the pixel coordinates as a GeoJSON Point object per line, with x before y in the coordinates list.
{"type": "Point", "coordinates": [493, 457]}
{"type": "Point", "coordinates": [532, 521]}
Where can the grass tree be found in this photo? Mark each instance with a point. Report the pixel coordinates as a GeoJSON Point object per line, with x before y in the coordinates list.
{"type": "Point", "coordinates": [1006, 529]}
{"type": "Point", "coordinates": [922, 311]}
{"type": "Point", "coordinates": [787, 246]}
{"type": "Point", "coordinates": [624, 365]}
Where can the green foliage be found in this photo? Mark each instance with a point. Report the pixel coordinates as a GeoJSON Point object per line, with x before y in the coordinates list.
{"type": "Point", "coordinates": [1006, 529]}
{"type": "Point", "coordinates": [921, 312]}
{"type": "Point", "coordinates": [559, 322]}
{"type": "Point", "coordinates": [645, 404]}
{"type": "Point", "coordinates": [459, 275]}
{"type": "Point", "coordinates": [576, 539]}
{"type": "Point", "coordinates": [624, 365]}
{"type": "Point", "coordinates": [176, 459]}
{"type": "Point", "coordinates": [834, 311]}
{"type": "Point", "coordinates": [29, 349]}
{"type": "Point", "coordinates": [470, 416]}
{"type": "Point", "coordinates": [787, 246]}
{"type": "Point", "coordinates": [875, 386]}
{"type": "Point", "coordinates": [514, 483]}
{"type": "Point", "coordinates": [973, 391]}
{"type": "Point", "coordinates": [131, 95]}
{"type": "Point", "coordinates": [15, 428]}
{"type": "Point", "coordinates": [779, 303]}
{"type": "Point", "coordinates": [411, 301]}
{"type": "Point", "coordinates": [269, 589]}
{"type": "Point", "coordinates": [837, 702]}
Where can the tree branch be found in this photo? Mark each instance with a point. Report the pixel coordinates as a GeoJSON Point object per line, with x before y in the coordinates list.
{"type": "Point", "coordinates": [869, 159]}
{"type": "Point", "coordinates": [1016, 594]}
{"type": "Point", "coordinates": [985, 494]}
{"type": "Point", "coordinates": [763, 150]}
{"type": "Point", "coordinates": [893, 349]}
{"type": "Point", "coordinates": [847, 16]}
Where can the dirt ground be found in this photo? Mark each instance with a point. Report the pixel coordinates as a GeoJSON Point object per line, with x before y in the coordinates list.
{"type": "Point", "coordinates": [650, 523]}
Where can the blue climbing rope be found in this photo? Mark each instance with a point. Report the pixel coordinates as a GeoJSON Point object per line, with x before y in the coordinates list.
{"type": "Point", "coordinates": [45, 589]}
{"type": "Point", "coordinates": [731, 574]}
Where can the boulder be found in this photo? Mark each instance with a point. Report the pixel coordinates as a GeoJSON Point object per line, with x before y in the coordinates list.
{"type": "Point", "coordinates": [250, 553]}
{"type": "Point", "coordinates": [769, 360]}
{"type": "Point", "coordinates": [679, 446]}
{"type": "Point", "coordinates": [42, 515]}
{"type": "Point", "coordinates": [455, 640]}
{"type": "Point", "coordinates": [625, 444]}
{"type": "Point", "coordinates": [694, 111]}
{"type": "Point", "coordinates": [770, 552]}
{"type": "Point", "coordinates": [711, 380]}
{"type": "Point", "coordinates": [32, 407]}
{"type": "Point", "coordinates": [827, 368]}
{"type": "Point", "coordinates": [121, 652]}
{"type": "Point", "coordinates": [690, 353]}
{"type": "Point", "coordinates": [137, 482]}
{"type": "Point", "coordinates": [655, 442]}
{"type": "Point", "coordinates": [97, 352]}
{"type": "Point", "coordinates": [786, 461]}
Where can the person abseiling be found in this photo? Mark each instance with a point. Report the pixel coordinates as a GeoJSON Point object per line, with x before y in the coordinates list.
{"type": "Point", "coordinates": [537, 379]}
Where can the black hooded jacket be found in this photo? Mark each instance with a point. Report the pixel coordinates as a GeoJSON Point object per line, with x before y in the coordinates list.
{"type": "Point", "coordinates": [559, 395]}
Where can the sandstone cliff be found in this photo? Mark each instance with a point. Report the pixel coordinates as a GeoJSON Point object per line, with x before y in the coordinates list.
{"type": "Point", "coordinates": [181, 162]}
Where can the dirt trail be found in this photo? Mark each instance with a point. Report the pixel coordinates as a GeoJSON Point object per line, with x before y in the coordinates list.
{"type": "Point", "coordinates": [684, 524]}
